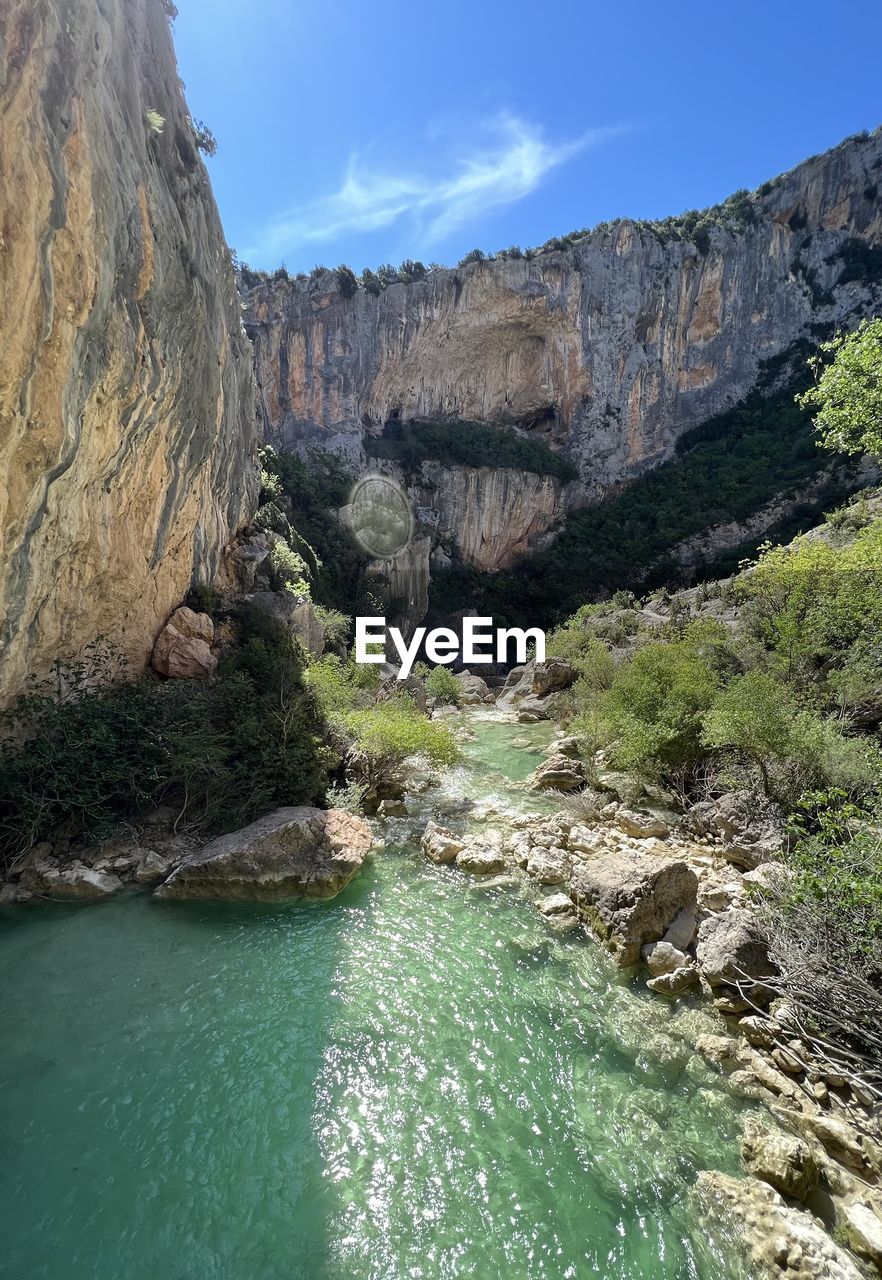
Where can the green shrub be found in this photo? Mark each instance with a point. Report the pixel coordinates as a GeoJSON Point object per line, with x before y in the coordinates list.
{"type": "Point", "coordinates": [810, 602]}
{"type": "Point", "coordinates": [442, 684]}
{"type": "Point", "coordinates": [837, 867]}
{"type": "Point", "coordinates": [335, 625]}
{"type": "Point", "coordinates": [385, 735]}
{"type": "Point", "coordinates": [83, 758]}
{"type": "Point", "coordinates": [793, 748]}
{"type": "Point", "coordinates": [652, 713]}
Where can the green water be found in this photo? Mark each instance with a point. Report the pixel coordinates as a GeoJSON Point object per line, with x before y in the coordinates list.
{"type": "Point", "coordinates": [414, 1080]}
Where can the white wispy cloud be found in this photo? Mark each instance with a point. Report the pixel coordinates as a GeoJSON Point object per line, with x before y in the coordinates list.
{"type": "Point", "coordinates": [508, 167]}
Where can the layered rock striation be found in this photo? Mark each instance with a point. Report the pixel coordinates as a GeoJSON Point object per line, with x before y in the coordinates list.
{"type": "Point", "coordinates": [127, 425]}
{"type": "Point", "coordinates": [607, 350]}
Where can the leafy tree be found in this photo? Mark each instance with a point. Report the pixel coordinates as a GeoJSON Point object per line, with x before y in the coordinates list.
{"type": "Point", "coordinates": [205, 140]}
{"type": "Point", "coordinates": [793, 747]}
{"type": "Point", "coordinates": [847, 395]}
{"type": "Point", "coordinates": [387, 734]}
{"type": "Point", "coordinates": [653, 711]}
{"type": "Point", "coordinates": [347, 281]}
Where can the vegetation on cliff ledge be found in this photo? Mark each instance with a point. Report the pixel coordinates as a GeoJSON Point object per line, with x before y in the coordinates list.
{"type": "Point", "coordinates": [466, 444]}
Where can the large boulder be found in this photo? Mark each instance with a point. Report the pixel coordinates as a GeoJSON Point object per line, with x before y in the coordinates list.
{"type": "Point", "coordinates": [552, 675]}
{"type": "Point", "coordinates": [787, 1163]}
{"type": "Point", "coordinates": [77, 882]}
{"type": "Point", "coordinates": [630, 898]}
{"type": "Point", "coordinates": [480, 860]}
{"type": "Point", "coordinates": [472, 689]}
{"type": "Point", "coordinates": [183, 647]}
{"type": "Point", "coordinates": [557, 773]}
{"type": "Point", "coordinates": [732, 949]}
{"type": "Point", "coordinates": [750, 827]}
{"type": "Point", "coordinates": [440, 845]}
{"type": "Point", "coordinates": [780, 1239]}
{"type": "Point", "coordinates": [531, 709]}
{"type": "Point", "coordinates": [297, 852]}
{"type": "Point", "coordinates": [641, 825]}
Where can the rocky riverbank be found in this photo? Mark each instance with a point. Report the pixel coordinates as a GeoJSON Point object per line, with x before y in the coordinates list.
{"type": "Point", "coordinates": [669, 895]}
{"type": "Point", "coordinates": [672, 898]}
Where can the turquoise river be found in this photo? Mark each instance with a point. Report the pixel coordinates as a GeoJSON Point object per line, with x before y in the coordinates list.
{"type": "Point", "coordinates": [415, 1080]}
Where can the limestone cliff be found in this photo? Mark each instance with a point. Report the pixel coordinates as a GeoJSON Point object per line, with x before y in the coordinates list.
{"type": "Point", "coordinates": [608, 349]}
{"type": "Point", "coordinates": [127, 426]}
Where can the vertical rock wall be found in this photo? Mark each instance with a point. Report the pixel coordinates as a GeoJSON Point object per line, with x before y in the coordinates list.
{"type": "Point", "coordinates": [127, 415]}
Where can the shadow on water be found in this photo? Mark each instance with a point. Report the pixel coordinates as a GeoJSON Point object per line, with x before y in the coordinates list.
{"type": "Point", "coordinates": [157, 1094]}
{"type": "Point", "coordinates": [413, 1080]}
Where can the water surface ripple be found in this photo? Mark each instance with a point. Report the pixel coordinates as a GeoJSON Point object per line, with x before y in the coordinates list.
{"type": "Point", "coordinates": [414, 1080]}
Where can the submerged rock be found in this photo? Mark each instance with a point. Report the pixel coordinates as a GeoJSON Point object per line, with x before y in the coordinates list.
{"type": "Point", "coordinates": [630, 898]}
{"type": "Point", "coordinates": [781, 1241]}
{"type": "Point", "coordinates": [297, 852]}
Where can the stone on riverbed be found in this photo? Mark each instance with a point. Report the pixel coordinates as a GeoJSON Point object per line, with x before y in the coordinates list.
{"type": "Point", "coordinates": [558, 773]}
{"type": "Point", "coordinates": [480, 860]}
{"type": "Point", "coordinates": [781, 1240]}
{"type": "Point", "coordinates": [631, 898]}
{"type": "Point", "coordinates": [77, 882]}
{"type": "Point", "coordinates": [440, 845]}
{"type": "Point", "coordinates": [296, 852]}
{"type": "Point", "coordinates": [549, 866]}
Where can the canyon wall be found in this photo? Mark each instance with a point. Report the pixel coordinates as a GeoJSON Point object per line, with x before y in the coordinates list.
{"type": "Point", "coordinates": [608, 349]}
{"type": "Point", "coordinates": [127, 411]}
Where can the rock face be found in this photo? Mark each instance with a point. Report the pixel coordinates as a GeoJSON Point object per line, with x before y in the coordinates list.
{"type": "Point", "coordinates": [183, 647]}
{"type": "Point", "coordinates": [781, 1241]}
{"type": "Point", "coordinates": [607, 350]}
{"type": "Point", "coordinates": [631, 899]}
{"type": "Point", "coordinates": [126, 389]}
{"type": "Point", "coordinates": [750, 826]}
{"type": "Point", "coordinates": [295, 852]}
{"type": "Point", "coordinates": [732, 949]}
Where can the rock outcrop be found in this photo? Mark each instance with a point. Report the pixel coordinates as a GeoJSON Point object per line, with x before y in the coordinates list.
{"type": "Point", "coordinates": [606, 350]}
{"type": "Point", "coordinates": [781, 1241]}
{"type": "Point", "coordinates": [631, 899]}
{"type": "Point", "coordinates": [296, 852]}
{"type": "Point", "coordinates": [126, 388]}
{"type": "Point", "coordinates": [183, 647]}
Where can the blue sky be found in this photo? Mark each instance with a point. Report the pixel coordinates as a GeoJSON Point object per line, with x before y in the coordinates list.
{"type": "Point", "coordinates": [364, 132]}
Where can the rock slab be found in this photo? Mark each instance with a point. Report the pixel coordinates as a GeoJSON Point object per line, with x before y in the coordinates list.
{"type": "Point", "coordinates": [296, 852]}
